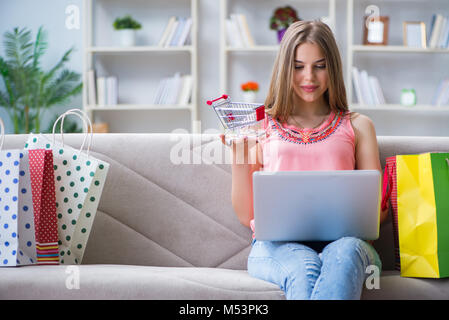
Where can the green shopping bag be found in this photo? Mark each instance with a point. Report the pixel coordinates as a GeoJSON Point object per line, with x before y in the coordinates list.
{"type": "Point", "coordinates": [419, 197]}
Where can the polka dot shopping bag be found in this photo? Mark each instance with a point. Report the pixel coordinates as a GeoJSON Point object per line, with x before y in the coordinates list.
{"type": "Point", "coordinates": [44, 205]}
{"type": "Point", "coordinates": [17, 234]}
{"type": "Point", "coordinates": [79, 180]}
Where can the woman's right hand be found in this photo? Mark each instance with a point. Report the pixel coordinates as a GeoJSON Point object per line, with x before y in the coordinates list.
{"type": "Point", "coordinates": [244, 149]}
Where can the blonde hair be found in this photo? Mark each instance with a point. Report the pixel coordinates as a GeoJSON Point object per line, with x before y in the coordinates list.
{"type": "Point", "coordinates": [279, 101]}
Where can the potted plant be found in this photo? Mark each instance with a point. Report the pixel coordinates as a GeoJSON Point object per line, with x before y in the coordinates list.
{"type": "Point", "coordinates": [127, 26]}
{"type": "Point", "coordinates": [249, 91]}
{"type": "Point", "coordinates": [28, 91]}
{"type": "Point", "coordinates": [281, 19]}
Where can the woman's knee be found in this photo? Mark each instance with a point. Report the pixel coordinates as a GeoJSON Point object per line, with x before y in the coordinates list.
{"type": "Point", "coordinates": [264, 263]}
{"type": "Point", "coordinates": [352, 248]}
{"type": "Point", "coordinates": [283, 262]}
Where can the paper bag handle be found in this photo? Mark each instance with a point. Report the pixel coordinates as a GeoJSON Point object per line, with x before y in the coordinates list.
{"type": "Point", "coordinates": [62, 135]}
{"type": "Point", "coordinates": [2, 132]}
{"type": "Point", "coordinates": [83, 117]}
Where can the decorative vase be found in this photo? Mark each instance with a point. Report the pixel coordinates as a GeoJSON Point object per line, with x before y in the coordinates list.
{"type": "Point", "coordinates": [127, 37]}
{"type": "Point", "coordinates": [249, 96]}
{"type": "Point", "coordinates": [281, 34]}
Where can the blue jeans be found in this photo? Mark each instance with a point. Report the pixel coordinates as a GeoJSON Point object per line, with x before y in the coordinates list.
{"type": "Point", "coordinates": [338, 272]}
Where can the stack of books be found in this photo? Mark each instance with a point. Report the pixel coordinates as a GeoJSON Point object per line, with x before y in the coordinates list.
{"type": "Point", "coordinates": [237, 32]}
{"type": "Point", "coordinates": [441, 96]}
{"type": "Point", "coordinates": [101, 91]}
{"type": "Point", "coordinates": [176, 33]}
{"type": "Point", "coordinates": [176, 90]}
{"type": "Point", "coordinates": [439, 32]}
{"type": "Point", "coordinates": [367, 88]}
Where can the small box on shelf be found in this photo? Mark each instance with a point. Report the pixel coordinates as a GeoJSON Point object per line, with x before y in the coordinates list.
{"type": "Point", "coordinates": [100, 127]}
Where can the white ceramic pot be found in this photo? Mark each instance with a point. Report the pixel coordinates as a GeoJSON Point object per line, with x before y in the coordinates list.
{"type": "Point", "coordinates": [127, 37]}
{"type": "Point", "coordinates": [249, 96]}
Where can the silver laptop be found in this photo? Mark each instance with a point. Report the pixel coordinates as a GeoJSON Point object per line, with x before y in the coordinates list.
{"type": "Point", "coordinates": [316, 205]}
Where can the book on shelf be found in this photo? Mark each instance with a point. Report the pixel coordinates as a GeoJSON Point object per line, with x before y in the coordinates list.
{"type": "Point", "coordinates": [441, 96]}
{"type": "Point", "coordinates": [357, 87]}
{"type": "Point", "coordinates": [171, 33]}
{"type": "Point", "coordinates": [167, 31]}
{"type": "Point", "coordinates": [111, 90]}
{"type": "Point", "coordinates": [107, 91]}
{"type": "Point", "coordinates": [439, 32]}
{"type": "Point", "coordinates": [367, 88]}
{"type": "Point", "coordinates": [233, 37]}
{"type": "Point", "coordinates": [238, 33]}
{"type": "Point", "coordinates": [91, 88]}
{"type": "Point", "coordinates": [176, 33]}
{"type": "Point", "coordinates": [101, 91]}
{"type": "Point", "coordinates": [185, 33]}
{"type": "Point", "coordinates": [176, 90]}
{"type": "Point", "coordinates": [186, 90]}
{"type": "Point", "coordinates": [175, 38]}
{"type": "Point", "coordinates": [378, 90]}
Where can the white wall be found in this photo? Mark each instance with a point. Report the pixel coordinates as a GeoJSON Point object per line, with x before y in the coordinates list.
{"type": "Point", "coordinates": [138, 74]}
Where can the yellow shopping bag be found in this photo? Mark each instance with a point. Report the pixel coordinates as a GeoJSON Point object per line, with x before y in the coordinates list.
{"type": "Point", "coordinates": [423, 214]}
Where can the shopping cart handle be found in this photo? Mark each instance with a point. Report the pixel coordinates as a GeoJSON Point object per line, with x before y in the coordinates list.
{"type": "Point", "coordinates": [209, 102]}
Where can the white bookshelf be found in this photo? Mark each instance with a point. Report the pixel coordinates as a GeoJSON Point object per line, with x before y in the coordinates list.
{"type": "Point", "coordinates": [226, 51]}
{"type": "Point", "coordinates": [133, 107]}
{"type": "Point", "coordinates": [137, 49]}
{"type": "Point", "coordinates": [272, 48]}
{"type": "Point", "coordinates": [150, 52]}
{"type": "Point", "coordinates": [399, 107]}
{"type": "Point", "coordinates": [397, 51]}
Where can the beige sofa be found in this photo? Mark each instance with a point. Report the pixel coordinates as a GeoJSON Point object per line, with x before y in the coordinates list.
{"type": "Point", "coordinates": [167, 230]}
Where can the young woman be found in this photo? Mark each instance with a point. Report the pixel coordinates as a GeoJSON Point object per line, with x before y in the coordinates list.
{"type": "Point", "coordinates": [308, 127]}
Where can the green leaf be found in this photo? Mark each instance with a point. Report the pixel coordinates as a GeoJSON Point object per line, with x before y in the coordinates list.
{"type": "Point", "coordinates": [40, 46]}
{"type": "Point", "coordinates": [66, 57]}
{"type": "Point", "coordinates": [18, 47]}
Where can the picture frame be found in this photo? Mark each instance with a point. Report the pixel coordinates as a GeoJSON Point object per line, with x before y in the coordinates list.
{"type": "Point", "coordinates": [414, 34]}
{"type": "Point", "coordinates": [375, 30]}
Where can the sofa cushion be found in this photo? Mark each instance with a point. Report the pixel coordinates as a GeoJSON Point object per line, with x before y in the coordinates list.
{"type": "Point", "coordinates": [157, 212]}
{"type": "Point", "coordinates": [132, 282]}
{"type": "Point", "coordinates": [140, 282]}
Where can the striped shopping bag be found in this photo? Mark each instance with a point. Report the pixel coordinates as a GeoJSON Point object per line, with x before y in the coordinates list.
{"type": "Point", "coordinates": [44, 205]}
{"type": "Point", "coordinates": [389, 196]}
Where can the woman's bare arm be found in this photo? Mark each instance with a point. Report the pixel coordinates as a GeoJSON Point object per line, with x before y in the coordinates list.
{"type": "Point", "coordinates": [367, 149]}
{"type": "Point", "coordinates": [246, 159]}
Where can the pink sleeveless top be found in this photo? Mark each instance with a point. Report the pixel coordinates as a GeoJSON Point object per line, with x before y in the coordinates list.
{"type": "Point", "coordinates": [331, 146]}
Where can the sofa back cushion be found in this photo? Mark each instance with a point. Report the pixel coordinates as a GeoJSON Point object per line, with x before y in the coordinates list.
{"type": "Point", "coordinates": [167, 200]}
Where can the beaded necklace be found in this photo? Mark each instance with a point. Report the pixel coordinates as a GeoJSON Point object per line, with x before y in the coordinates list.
{"type": "Point", "coordinates": [306, 136]}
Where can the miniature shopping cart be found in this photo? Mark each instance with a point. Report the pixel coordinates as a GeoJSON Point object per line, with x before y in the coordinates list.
{"type": "Point", "coordinates": [239, 118]}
